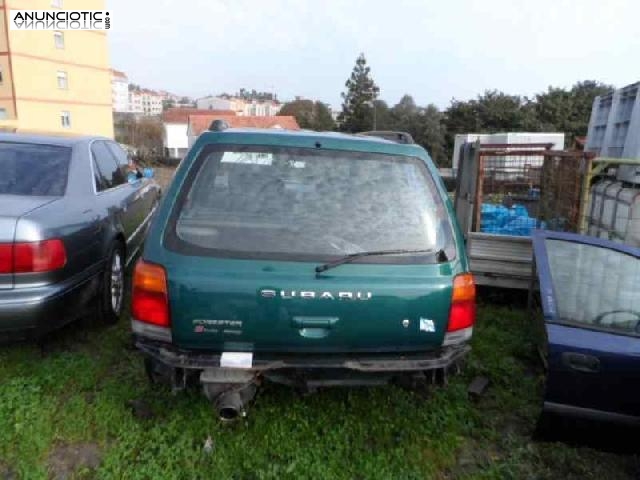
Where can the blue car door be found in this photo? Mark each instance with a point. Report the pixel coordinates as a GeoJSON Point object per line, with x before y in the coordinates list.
{"type": "Point", "coordinates": [590, 291]}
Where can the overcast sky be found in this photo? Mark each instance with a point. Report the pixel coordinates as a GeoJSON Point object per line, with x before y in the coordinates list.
{"type": "Point", "coordinates": [433, 49]}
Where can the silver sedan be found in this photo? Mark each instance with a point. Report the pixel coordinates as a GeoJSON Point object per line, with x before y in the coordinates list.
{"type": "Point", "coordinates": [73, 213]}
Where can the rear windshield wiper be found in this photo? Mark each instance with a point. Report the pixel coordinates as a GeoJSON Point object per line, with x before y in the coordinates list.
{"type": "Point", "coordinates": [441, 257]}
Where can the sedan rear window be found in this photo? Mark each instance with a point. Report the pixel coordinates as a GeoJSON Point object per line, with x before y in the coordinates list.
{"type": "Point", "coordinates": [307, 204]}
{"type": "Point", "coordinates": [33, 170]}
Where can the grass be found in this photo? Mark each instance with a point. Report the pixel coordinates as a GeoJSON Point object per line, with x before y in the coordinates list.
{"type": "Point", "coordinates": [76, 395]}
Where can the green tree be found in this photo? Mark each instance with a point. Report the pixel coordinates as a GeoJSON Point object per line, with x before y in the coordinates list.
{"type": "Point", "coordinates": [492, 112]}
{"type": "Point", "coordinates": [428, 130]}
{"type": "Point", "coordinates": [144, 134]}
{"type": "Point", "coordinates": [404, 112]}
{"type": "Point", "coordinates": [167, 104]}
{"type": "Point", "coordinates": [568, 111]}
{"type": "Point", "coordinates": [423, 123]}
{"type": "Point", "coordinates": [310, 115]}
{"type": "Point", "coordinates": [357, 100]}
{"type": "Point", "coordinates": [322, 117]}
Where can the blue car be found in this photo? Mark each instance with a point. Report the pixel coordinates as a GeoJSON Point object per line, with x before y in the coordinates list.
{"type": "Point", "coordinates": [590, 290]}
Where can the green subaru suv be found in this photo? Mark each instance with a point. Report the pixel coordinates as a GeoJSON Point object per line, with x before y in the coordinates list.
{"type": "Point", "coordinates": [304, 258]}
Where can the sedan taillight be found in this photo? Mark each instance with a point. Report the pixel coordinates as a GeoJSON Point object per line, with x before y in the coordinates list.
{"type": "Point", "coordinates": [32, 257]}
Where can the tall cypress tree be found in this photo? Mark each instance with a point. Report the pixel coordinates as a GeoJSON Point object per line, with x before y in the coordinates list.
{"type": "Point", "coordinates": [357, 101]}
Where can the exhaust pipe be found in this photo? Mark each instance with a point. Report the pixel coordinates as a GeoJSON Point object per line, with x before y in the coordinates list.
{"type": "Point", "coordinates": [230, 391]}
{"type": "Point", "coordinates": [229, 406]}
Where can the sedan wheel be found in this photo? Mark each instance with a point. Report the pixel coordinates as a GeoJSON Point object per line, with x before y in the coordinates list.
{"type": "Point", "coordinates": [112, 286]}
{"type": "Point", "coordinates": [117, 282]}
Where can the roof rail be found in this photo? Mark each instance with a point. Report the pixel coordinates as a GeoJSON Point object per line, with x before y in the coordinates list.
{"type": "Point", "coordinates": [398, 137]}
{"type": "Point", "coordinates": [218, 126]}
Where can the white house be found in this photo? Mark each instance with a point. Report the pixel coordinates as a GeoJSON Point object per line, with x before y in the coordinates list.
{"type": "Point", "coordinates": [174, 122]}
{"type": "Point", "coordinates": [254, 108]}
{"type": "Point", "coordinates": [119, 91]}
{"type": "Point", "coordinates": [259, 108]}
{"type": "Point", "coordinates": [198, 123]}
{"type": "Point", "coordinates": [235, 105]}
{"type": "Point", "coordinates": [555, 139]}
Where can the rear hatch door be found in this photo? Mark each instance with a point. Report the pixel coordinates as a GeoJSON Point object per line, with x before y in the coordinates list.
{"type": "Point", "coordinates": [240, 305]}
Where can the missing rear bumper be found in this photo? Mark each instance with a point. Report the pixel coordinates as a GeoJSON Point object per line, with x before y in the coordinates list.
{"type": "Point", "coordinates": [231, 390]}
{"type": "Point", "coordinates": [384, 363]}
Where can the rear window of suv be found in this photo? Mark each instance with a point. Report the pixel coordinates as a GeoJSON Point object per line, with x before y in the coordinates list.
{"type": "Point", "coordinates": [308, 204]}
{"type": "Point", "coordinates": [33, 170]}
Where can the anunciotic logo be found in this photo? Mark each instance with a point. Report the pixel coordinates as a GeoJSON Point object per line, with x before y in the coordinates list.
{"type": "Point", "coordinates": [60, 20]}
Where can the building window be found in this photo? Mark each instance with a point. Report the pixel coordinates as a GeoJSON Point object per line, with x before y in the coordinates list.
{"type": "Point", "coordinates": [3, 113]}
{"type": "Point", "coordinates": [58, 38]}
{"type": "Point", "coordinates": [63, 84]}
{"type": "Point", "coordinates": [65, 119]}
{"type": "Point", "coordinates": [56, 3]}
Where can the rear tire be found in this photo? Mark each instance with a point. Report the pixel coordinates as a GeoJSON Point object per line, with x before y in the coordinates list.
{"type": "Point", "coordinates": [111, 294]}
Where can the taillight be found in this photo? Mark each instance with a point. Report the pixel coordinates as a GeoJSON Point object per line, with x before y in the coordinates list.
{"type": "Point", "coordinates": [6, 258]}
{"type": "Point", "coordinates": [32, 257]}
{"type": "Point", "coordinates": [463, 303]}
{"type": "Point", "coordinates": [150, 299]}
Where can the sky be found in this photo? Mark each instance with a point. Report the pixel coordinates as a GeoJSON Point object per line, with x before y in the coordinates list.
{"type": "Point", "coordinates": [435, 50]}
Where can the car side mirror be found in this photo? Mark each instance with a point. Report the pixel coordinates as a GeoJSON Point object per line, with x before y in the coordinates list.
{"type": "Point", "coordinates": [132, 177]}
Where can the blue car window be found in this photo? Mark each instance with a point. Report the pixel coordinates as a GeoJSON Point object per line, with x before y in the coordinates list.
{"type": "Point", "coordinates": [121, 159]}
{"type": "Point", "coordinates": [33, 170]}
{"type": "Point", "coordinates": [595, 286]}
{"type": "Point", "coordinates": [110, 173]}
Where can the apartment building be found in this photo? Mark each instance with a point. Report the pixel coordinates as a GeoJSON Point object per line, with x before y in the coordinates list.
{"type": "Point", "coordinates": [119, 91]}
{"type": "Point", "coordinates": [142, 101]}
{"type": "Point", "coordinates": [241, 106]}
{"type": "Point", "coordinates": [235, 105]}
{"type": "Point", "coordinates": [135, 102]}
{"type": "Point", "coordinates": [259, 108]}
{"type": "Point", "coordinates": [54, 81]}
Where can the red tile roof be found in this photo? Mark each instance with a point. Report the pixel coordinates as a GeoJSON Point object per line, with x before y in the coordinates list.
{"type": "Point", "coordinates": [118, 73]}
{"type": "Point", "coordinates": [200, 123]}
{"type": "Point", "coordinates": [181, 115]}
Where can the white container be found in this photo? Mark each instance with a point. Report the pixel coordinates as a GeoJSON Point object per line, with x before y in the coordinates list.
{"type": "Point", "coordinates": [556, 139]}
{"type": "Point", "coordinates": [598, 221]}
{"type": "Point", "coordinates": [614, 212]}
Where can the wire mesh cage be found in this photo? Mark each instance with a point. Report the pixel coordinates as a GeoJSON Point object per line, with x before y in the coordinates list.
{"type": "Point", "coordinates": [563, 190]}
{"type": "Point", "coordinates": [504, 192]}
{"type": "Point", "coordinates": [522, 188]}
